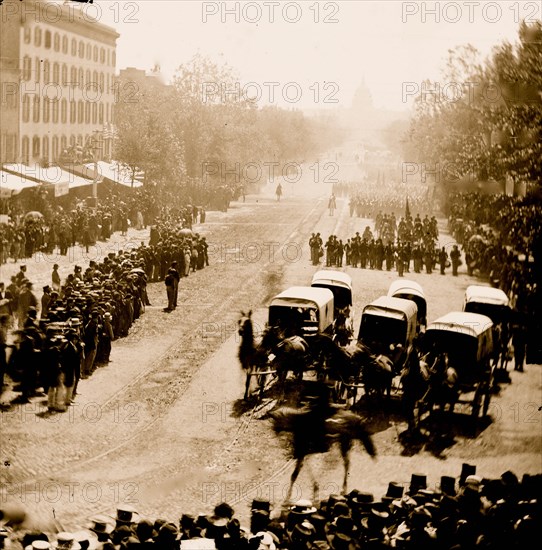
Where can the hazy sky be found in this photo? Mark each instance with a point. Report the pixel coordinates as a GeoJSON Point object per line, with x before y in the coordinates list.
{"type": "Point", "coordinates": [339, 43]}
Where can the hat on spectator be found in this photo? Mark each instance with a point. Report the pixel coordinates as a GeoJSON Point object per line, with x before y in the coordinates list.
{"type": "Point", "coordinates": [127, 514]}
{"type": "Point", "coordinates": [405, 503]}
{"type": "Point", "coordinates": [343, 524]}
{"type": "Point", "coordinates": [101, 525]}
{"type": "Point", "coordinates": [261, 504]}
{"type": "Point", "coordinates": [363, 499]}
{"type": "Point", "coordinates": [66, 541]}
{"type": "Point", "coordinates": [86, 539]}
{"type": "Point", "coordinates": [447, 485]}
{"type": "Point", "coordinates": [304, 507]}
{"type": "Point", "coordinates": [339, 509]}
{"type": "Point", "coordinates": [334, 499]}
{"type": "Point", "coordinates": [145, 530]}
{"type": "Point", "coordinates": [168, 532]}
{"type": "Point", "coordinates": [420, 515]}
{"type": "Point", "coordinates": [466, 471]}
{"type": "Point", "coordinates": [395, 491]}
{"type": "Point", "coordinates": [132, 542]}
{"type": "Point", "coordinates": [304, 530]}
{"type": "Point", "coordinates": [473, 482]}
{"type": "Point", "coordinates": [187, 520]}
{"type": "Point", "coordinates": [266, 541]}
{"type": "Point", "coordinates": [224, 510]}
{"type": "Point", "coordinates": [417, 482]}
{"type": "Point", "coordinates": [509, 478]}
{"type": "Point", "coordinates": [38, 545]}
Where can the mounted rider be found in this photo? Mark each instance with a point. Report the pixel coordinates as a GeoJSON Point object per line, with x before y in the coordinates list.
{"type": "Point", "coordinates": [317, 409]}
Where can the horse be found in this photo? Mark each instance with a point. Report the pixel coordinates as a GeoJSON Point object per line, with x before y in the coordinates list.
{"type": "Point", "coordinates": [252, 354]}
{"type": "Point", "coordinates": [289, 353]}
{"type": "Point", "coordinates": [356, 362]}
{"type": "Point", "coordinates": [341, 426]}
{"type": "Point", "coordinates": [429, 384]}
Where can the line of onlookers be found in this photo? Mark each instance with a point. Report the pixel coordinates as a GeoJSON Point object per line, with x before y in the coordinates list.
{"type": "Point", "coordinates": [469, 512]}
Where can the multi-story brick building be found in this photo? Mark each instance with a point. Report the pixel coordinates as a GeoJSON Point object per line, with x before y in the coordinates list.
{"type": "Point", "coordinates": [57, 80]}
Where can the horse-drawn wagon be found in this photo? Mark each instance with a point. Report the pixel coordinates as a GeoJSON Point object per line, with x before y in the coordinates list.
{"type": "Point", "coordinates": [411, 290]}
{"type": "Point", "coordinates": [296, 317]}
{"type": "Point", "coordinates": [493, 303]}
{"type": "Point", "coordinates": [387, 330]}
{"type": "Point", "coordinates": [459, 347]}
{"type": "Point", "coordinates": [303, 311]}
{"type": "Point", "coordinates": [340, 284]}
{"type": "Point", "coordinates": [388, 327]}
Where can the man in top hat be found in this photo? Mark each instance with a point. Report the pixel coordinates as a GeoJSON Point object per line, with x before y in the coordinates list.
{"type": "Point", "coordinates": [417, 482]}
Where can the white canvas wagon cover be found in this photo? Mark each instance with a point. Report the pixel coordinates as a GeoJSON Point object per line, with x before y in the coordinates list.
{"type": "Point", "coordinates": [333, 278]}
{"type": "Point", "coordinates": [470, 324]}
{"type": "Point", "coordinates": [396, 308]}
{"type": "Point", "coordinates": [302, 296]}
{"type": "Point", "coordinates": [486, 295]}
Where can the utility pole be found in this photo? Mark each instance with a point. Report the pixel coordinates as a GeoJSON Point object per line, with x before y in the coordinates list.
{"type": "Point", "coordinates": [96, 147]}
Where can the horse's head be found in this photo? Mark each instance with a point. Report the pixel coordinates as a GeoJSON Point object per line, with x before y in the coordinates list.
{"type": "Point", "coordinates": [271, 336]}
{"type": "Point", "coordinates": [244, 324]}
{"type": "Point", "coordinates": [283, 419]}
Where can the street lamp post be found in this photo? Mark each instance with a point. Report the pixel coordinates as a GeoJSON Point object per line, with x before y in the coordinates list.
{"type": "Point", "coordinates": [95, 148]}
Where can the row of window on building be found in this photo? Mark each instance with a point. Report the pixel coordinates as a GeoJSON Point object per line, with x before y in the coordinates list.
{"type": "Point", "coordinates": [45, 147]}
{"type": "Point", "coordinates": [78, 48]}
{"type": "Point", "coordinates": [80, 112]}
{"type": "Point", "coordinates": [100, 81]}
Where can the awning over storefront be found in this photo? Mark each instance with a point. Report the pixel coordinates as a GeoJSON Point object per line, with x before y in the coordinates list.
{"type": "Point", "coordinates": [111, 171]}
{"type": "Point", "coordinates": [60, 180]}
{"type": "Point", "coordinates": [12, 184]}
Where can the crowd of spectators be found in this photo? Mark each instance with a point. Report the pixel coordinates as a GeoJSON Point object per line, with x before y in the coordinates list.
{"type": "Point", "coordinates": [68, 334]}
{"type": "Point", "coordinates": [469, 512]}
{"type": "Point", "coordinates": [501, 239]}
{"type": "Point", "coordinates": [57, 229]}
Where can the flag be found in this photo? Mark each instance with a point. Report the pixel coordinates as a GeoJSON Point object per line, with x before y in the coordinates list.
{"type": "Point", "coordinates": [407, 209]}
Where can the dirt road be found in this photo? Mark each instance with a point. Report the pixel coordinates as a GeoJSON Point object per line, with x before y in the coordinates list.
{"type": "Point", "coordinates": [162, 426]}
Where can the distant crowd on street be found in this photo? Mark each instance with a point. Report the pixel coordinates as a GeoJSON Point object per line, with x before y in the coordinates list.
{"type": "Point", "coordinates": [366, 199]}
{"type": "Point", "coordinates": [457, 514]}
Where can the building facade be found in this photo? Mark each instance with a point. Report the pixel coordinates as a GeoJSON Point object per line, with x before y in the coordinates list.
{"type": "Point", "coordinates": [57, 81]}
